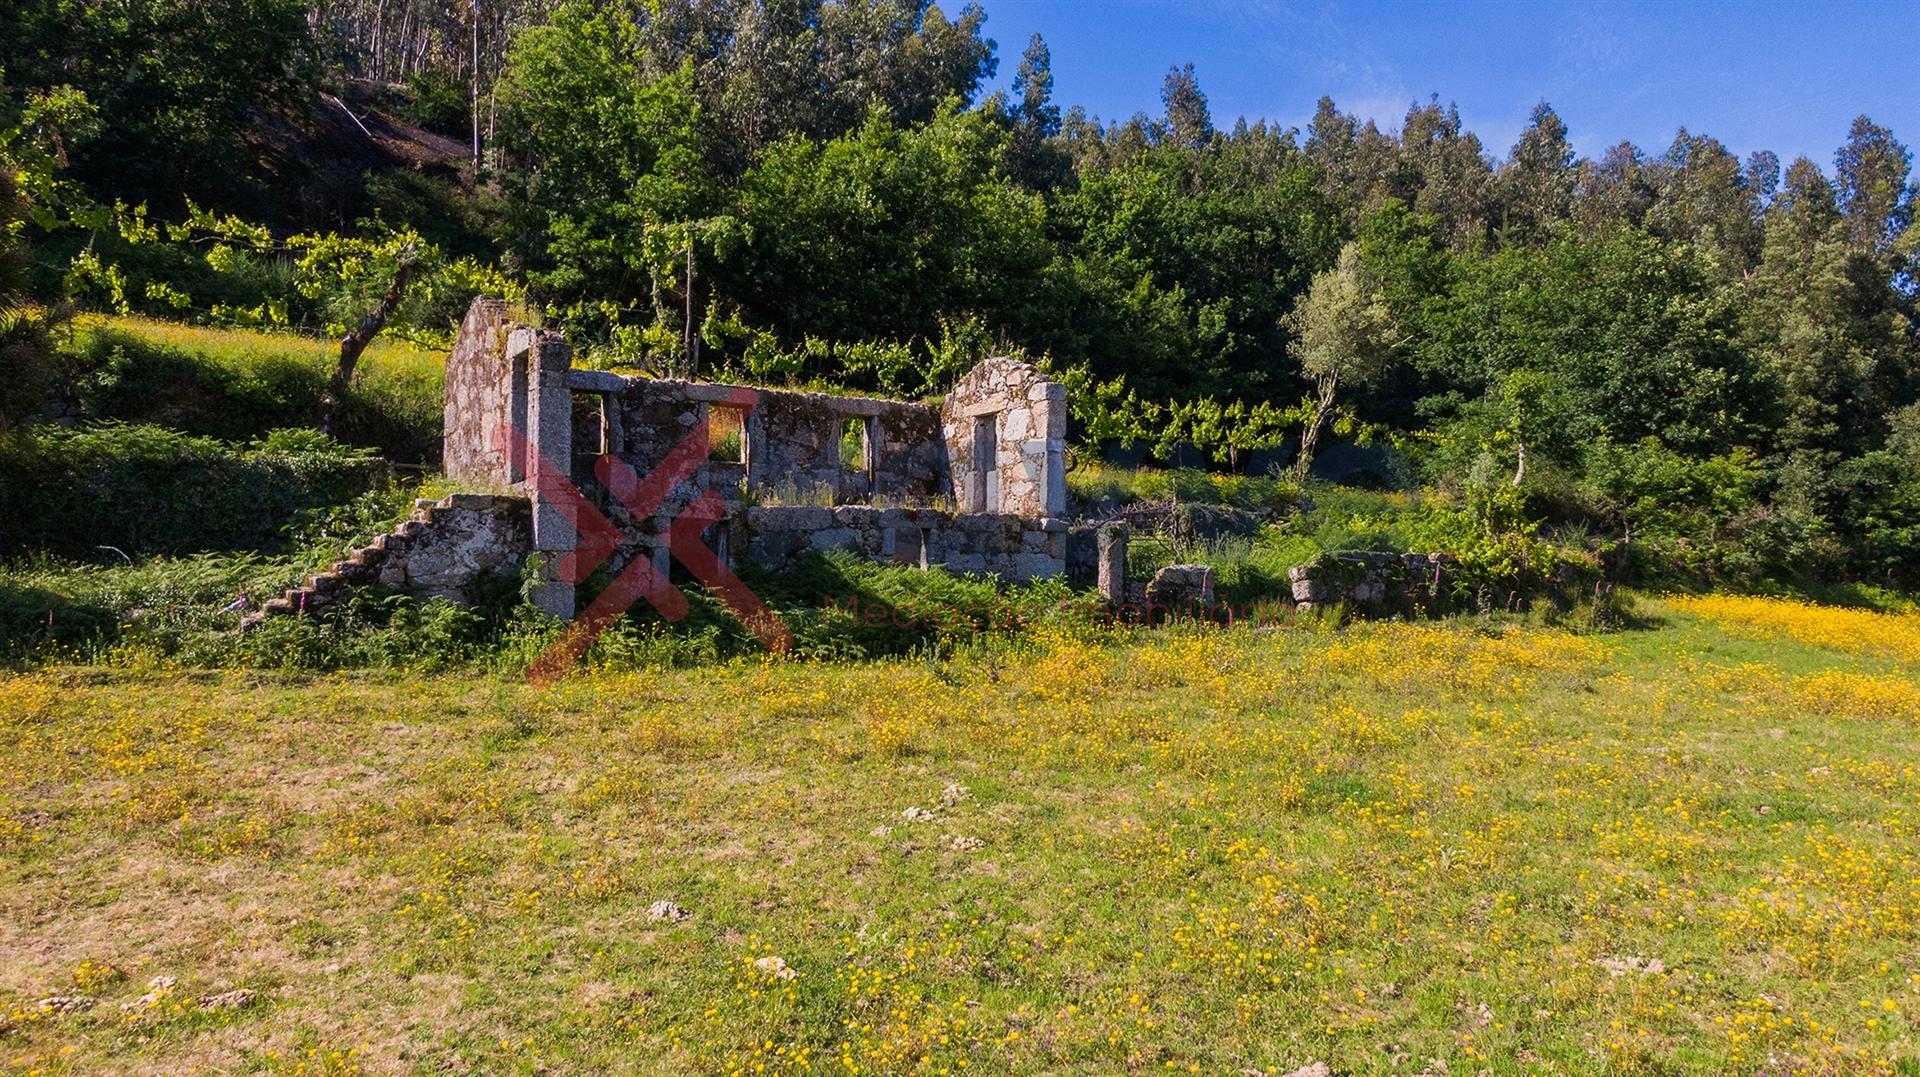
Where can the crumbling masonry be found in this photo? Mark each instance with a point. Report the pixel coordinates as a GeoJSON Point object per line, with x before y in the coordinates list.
{"type": "Point", "coordinates": [974, 484]}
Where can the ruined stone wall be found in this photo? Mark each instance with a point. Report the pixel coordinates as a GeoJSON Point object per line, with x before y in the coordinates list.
{"type": "Point", "coordinates": [483, 389]}
{"type": "Point", "coordinates": [1371, 582]}
{"type": "Point", "coordinates": [995, 446]}
{"type": "Point", "coordinates": [446, 549]}
{"type": "Point", "coordinates": [501, 373]}
{"type": "Point", "coordinates": [457, 542]}
{"type": "Point", "coordinates": [1014, 548]}
{"type": "Point", "coordinates": [791, 439]}
{"type": "Point", "coordinates": [1005, 428]}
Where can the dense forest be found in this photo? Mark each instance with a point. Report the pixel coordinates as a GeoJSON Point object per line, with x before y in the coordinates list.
{"type": "Point", "coordinates": [1668, 342]}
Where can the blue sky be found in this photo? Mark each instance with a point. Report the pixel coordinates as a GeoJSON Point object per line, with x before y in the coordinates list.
{"type": "Point", "coordinates": [1778, 76]}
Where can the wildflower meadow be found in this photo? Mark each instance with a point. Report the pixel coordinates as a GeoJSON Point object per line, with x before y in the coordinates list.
{"type": "Point", "coordinates": [1458, 847]}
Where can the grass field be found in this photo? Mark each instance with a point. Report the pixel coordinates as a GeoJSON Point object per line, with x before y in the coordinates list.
{"type": "Point", "coordinates": [237, 384]}
{"type": "Point", "coordinates": [241, 348]}
{"type": "Point", "coordinates": [1392, 848]}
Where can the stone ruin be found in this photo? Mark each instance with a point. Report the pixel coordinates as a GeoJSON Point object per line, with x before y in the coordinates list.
{"type": "Point", "coordinates": [974, 483]}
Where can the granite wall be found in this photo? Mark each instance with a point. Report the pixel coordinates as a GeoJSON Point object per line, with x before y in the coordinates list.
{"type": "Point", "coordinates": [893, 471]}
{"type": "Point", "coordinates": [1014, 548]}
{"type": "Point", "coordinates": [1005, 429]}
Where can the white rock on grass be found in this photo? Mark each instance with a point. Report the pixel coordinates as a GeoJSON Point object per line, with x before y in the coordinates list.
{"type": "Point", "coordinates": [226, 1000]}
{"type": "Point", "coordinates": [664, 911]}
{"type": "Point", "coordinates": [1620, 966]}
{"type": "Point", "coordinates": [774, 967]}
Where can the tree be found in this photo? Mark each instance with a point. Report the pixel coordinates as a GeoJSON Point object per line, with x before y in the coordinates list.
{"type": "Point", "coordinates": [1344, 335]}
{"type": "Point", "coordinates": [1763, 176]}
{"type": "Point", "coordinates": [1870, 171]}
{"type": "Point", "coordinates": [1176, 268]}
{"type": "Point", "coordinates": [1704, 199]}
{"type": "Point", "coordinates": [178, 84]}
{"type": "Point", "coordinates": [1637, 334]}
{"type": "Point", "coordinates": [1447, 172]}
{"type": "Point", "coordinates": [1821, 319]}
{"type": "Point", "coordinates": [875, 235]}
{"type": "Point", "coordinates": [1032, 157]}
{"type": "Point", "coordinates": [401, 262]}
{"type": "Point", "coordinates": [1333, 145]}
{"type": "Point", "coordinates": [1536, 186]}
{"type": "Point", "coordinates": [1616, 188]}
{"type": "Point", "coordinates": [1188, 124]}
{"type": "Point", "coordinates": [13, 262]}
{"type": "Point", "coordinates": [1033, 85]}
{"type": "Point", "coordinates": [602, 151]}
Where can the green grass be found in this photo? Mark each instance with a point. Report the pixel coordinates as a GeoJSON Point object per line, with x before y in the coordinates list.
{"type": "Point", "coordinates": [1673, 850]}
{"type": "Point", "coordinates": [1094, 481]}
{"type": "Point", "coordinates": [245, 348]}
{"type": "Point", "coordinates": [235, 384]}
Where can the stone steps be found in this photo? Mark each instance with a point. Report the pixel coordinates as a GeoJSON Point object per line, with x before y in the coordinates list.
{"type": "Point", "coordinates": [319, 591]}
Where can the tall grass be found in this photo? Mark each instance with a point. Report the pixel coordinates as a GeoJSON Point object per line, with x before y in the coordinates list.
{"type": "Point", "coordinates": [234, 384]}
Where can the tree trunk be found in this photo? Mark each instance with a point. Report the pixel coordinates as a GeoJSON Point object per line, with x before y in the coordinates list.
{"type": "Point", "coordinates": [473, 107]}
{"type": "Point", "coordinates": [355, 343]}
{"type": "Point", "coordinates": [1310, 435]}
{"type": "Point", "coordinates": [693, 332]}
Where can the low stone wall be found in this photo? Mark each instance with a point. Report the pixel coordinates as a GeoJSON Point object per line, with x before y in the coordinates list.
{"type": "Point", "coordinates": [1372, 582]}
{"type": "Point", "coordinates": [463, 538]}
{"type": "Point", "coordinates": [444, 550]}
{"type": "Point", "coordinates": [1014, 548]}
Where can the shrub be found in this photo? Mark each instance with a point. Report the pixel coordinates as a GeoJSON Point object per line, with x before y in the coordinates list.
{"type": "Point", "coordinates": [145, 490]}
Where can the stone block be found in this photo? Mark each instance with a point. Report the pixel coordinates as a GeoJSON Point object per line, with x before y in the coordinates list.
{"type": "Point", "coordinates": [1182, 587]}
{"type": "Point", "coordinates": [1037, 566]}
{"type": "Point", "coordinates": [834, 538]}
{"type": "Point", "coordinates": [801, 517]}
{"type": "Point", "coordinates": [966, 563]}
{"type": "Point", "coordinates": [773, 546]}
{"type": "Point", "coordinates": [1112, 569]}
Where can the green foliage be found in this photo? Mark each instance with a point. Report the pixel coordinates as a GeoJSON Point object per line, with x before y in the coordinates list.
{"type": "Point", "coordinates": [612, 151]}
{"type": "Point", "coordinates": [1632, 336]}
{"type": "Point", "coordinates": [143, 489]}
{"type": "Point", "coordinates": [1878, 495]}
{"type": "Point", "coordinates": [1092, 483]}
{"type": "Point", "coordinates": [1179, 266]}
{"type": "Point", "coordinates": [176, 86]}
{"type": "Point", "coordinates": [1343, 327]}
{"type": "Point", "coordinates": [1648, 490]}
{"type": "Point", "coordinates": [880, 233]}
{"type": "Point", "coordinates": [206, 385]}
{"type": "Point", "coordinates": [843, 607]}
{"type": "Point", "coordinates": [438, 103]}
{"type": "Point", "coordinates": [809, 193]}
